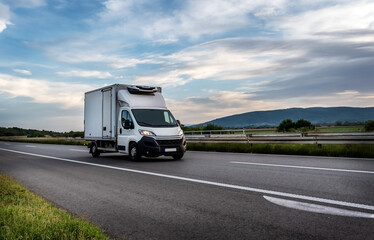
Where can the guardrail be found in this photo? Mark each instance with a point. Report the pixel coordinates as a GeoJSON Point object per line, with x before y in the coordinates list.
{"type": "Point", "coordinates": [240, 136]}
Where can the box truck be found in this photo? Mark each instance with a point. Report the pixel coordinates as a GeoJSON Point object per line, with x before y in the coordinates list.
{"type": "Point", "coordinates": [132, 120]}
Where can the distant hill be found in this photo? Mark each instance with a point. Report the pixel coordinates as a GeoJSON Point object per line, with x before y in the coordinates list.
{"type": "Point", "coordinates": [316, 115]}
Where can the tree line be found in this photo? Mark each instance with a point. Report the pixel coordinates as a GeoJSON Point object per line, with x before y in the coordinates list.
{"type": "Point", "coordinates": [301, 125]}
{"type": "Point", "coordinates": [15, 131]}
{"type": "Point", "coordinates": [286, 125]}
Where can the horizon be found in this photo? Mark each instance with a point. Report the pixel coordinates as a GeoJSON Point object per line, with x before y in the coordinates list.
{"type": "Point", "coordinates": [212, 120]}
{"type": "Point", "coordinates": [213, 59]}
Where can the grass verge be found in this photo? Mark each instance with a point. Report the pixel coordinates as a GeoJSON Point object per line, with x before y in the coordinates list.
{"type": "Point", "coordinates": [62, 141]}
{"type": "Point", "coordinates": [344, 150]}
{"type": "Point", "coordinates": [23, 215]}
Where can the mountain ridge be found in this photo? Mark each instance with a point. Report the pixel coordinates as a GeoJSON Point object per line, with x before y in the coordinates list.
{"type": "Point", "coordinates": [316, 115]}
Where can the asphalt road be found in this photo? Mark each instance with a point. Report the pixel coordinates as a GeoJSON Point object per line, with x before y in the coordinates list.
{"type": "Point", "coordinates": [204, 195]}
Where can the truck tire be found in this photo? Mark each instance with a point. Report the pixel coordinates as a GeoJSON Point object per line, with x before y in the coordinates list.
{"type": "Point", "coordinates": [94, 151]}
{"type": "Point", "coordinates": [134, 152]}
{"type": "Point", "coordinates": [178, 156]}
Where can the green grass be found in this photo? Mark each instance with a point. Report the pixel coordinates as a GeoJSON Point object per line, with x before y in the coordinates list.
{"type": "Point", "coordinates": [341, 129]}
{"type": "Point", "coordinates": [346, 150]}
{"type": "Point", "coordinates": [23, 215]}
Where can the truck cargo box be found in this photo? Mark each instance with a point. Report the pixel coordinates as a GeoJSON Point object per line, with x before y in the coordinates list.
{"type": "Point", "coordinates": [100, 110]}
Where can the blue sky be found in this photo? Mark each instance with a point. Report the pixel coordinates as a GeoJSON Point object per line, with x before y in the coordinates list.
{"type": "Point", "coordinates": [212, 58]}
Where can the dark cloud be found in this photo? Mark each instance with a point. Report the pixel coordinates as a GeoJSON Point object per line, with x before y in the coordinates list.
{"type": "Point", "coordinates": [324, 81]}
{"type": "Point", "coordinates": [347, 33]}
{"type": "Point", "coordinates": [325, 67]}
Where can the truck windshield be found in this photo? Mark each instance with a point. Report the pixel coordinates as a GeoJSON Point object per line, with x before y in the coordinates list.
{"type": "Point", "coordinates": [154, 118]}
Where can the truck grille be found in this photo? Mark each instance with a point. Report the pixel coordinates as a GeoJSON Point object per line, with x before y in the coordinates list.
{"type": "Point", "coordinates": [169, 142]}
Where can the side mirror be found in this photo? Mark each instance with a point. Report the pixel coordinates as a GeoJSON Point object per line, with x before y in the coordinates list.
{"type": "Point", "coordinates": [179, 122]}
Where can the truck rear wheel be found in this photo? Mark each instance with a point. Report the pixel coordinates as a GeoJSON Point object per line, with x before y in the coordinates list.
{"type": "Point", "coordinates": [134, 152]}
{"type": "Point", "coordinates": [94, 151]}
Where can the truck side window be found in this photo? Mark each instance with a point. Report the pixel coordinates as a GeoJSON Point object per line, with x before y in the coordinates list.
{"type": "Point", "coordinates": [126, 116]}
{"type": "Point", "coordinates": [166, 116]}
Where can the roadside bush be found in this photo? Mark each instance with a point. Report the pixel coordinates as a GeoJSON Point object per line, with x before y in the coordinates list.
{"type": "Point", "coordinates": [369, 126]}
{"type": "Point", "coordinates": [213, 127]}
{"type": "Point", "coordinates": [286, 125]}
{"type": "Point", "coordinates": [301, 125]}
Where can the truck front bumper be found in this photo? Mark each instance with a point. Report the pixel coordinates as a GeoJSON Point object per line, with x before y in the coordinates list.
{"type": "Point", "coordinates": [154, 147]}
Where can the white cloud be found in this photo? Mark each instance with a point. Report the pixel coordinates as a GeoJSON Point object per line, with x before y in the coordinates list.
{"type": "Point", "coordinates": [324, 22]}
{"type": "Point", "coordinates": [95, 74]}
{"type": "Point", "coordinates": [348, 93]}
{"type": "Point", "coordinates": [117, 62]}
{"type": "Point", "coordinates": [68, 95]}
{"type": "Point", "coordinates": [227, 59]}
{"type": "Point", "coordinates": [4, 17]}
{"type": "Point", "coordinates": [22, 71]}
{"type": "Point", "coordinates": [193, 19]}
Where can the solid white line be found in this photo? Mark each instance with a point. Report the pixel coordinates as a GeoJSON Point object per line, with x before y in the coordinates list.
{"type": "Point", "coordinates": [258, 190]}
{"type": "Point", "coordinates": [302, 167]}
{"type": "Point", "coordinates": [309, 207]}
{"type": "Point", "coordinates": [78, 150]}
{"type": "Point", "coordinates": [32, 146]}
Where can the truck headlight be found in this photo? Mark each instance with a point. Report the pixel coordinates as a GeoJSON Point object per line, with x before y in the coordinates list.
{"type": "Point", "coordinates": [146, 133]}
{"type": "Point", "coordinates": [180, 133]}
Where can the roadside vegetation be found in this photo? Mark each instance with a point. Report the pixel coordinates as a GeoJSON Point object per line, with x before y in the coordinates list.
{"type": "Point", "coordinates": [288, 125]}
{"type": "Point", "coordinates": [344, 150]}
{"type": "Point", "coordinates": [46, 140]}
{"type": "Point", "coordinates": [351, 150]}
{"type": "Point", "coordinates": [301, 125]}
{"type": "Point", "coordinates": [202, 128]}
{"type": "Point", "coordinates": [32, 133]}
{"type": "Point", "coordinates": [369, 126]}
{"type": "Point", "coordinates": [24, 215]}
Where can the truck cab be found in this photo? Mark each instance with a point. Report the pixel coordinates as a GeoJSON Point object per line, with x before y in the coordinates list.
{"type": "Point", "coordinates": [142, 124]}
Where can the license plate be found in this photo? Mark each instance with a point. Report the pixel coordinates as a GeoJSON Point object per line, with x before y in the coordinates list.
{"type": "Point", "coordinates": [170, 149]}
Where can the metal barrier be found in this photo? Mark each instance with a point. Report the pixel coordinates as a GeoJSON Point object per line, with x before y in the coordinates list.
{"type": "Point", "coordinates": [240, 136]}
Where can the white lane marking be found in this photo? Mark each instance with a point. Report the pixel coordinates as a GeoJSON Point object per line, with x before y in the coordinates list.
{"type": "Point", "coordinates": [78, 150]}
{"type": "Point", "coordinates": [310, 207]}
{"type": "Point", "coordinates": [250, 189]}
{"type": "Point", "coordinates": [31, 146]}
{"type": "Point", "coordinates": [6, 144]}
{"type": "Point", "coordinates": [302, 167]}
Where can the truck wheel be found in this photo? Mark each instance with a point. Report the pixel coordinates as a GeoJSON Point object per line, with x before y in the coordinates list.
{"type": "Point", "coordinates": [178, 156]}
{"type": "Point", "coordinates": [94, 151]}
{"type": "Point", "coordinates": [134, 152]}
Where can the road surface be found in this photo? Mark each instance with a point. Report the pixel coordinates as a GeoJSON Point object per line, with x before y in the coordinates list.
{"type": "Point", "coordinates": [205, 195]}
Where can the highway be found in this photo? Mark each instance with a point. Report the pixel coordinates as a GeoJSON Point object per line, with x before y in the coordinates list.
{"type": "Point", "coordinates": [205, 195]}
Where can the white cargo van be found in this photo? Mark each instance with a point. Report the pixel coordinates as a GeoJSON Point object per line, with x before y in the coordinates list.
{"type": "Point", "coordinates": [132, 120]}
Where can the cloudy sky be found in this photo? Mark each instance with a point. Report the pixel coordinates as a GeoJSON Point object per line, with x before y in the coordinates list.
{"type": "Point", "coordinates": [213, 58]}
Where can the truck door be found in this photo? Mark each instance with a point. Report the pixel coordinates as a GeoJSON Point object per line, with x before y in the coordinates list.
{"type": "Point", "coordinates": [107, 113]}
{"type": "Point", "coordinates": [125, 134]}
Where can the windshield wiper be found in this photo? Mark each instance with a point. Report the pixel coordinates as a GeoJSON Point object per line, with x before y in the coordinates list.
{"type": "Point", "coordinates": [144, 123]}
